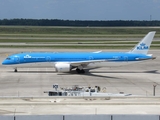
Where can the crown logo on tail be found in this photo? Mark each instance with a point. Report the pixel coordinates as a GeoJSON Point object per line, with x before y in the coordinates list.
{"type": "Point", "coordinates": [142, 46]}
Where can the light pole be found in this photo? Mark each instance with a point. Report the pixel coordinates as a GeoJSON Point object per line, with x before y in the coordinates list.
{"type": "Point", "coordinates": [154, 90]}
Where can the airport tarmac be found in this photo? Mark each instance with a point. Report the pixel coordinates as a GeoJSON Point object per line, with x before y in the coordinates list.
{"type": "Point", "coordinates": [136, 79]}
{"type": "Point", "coordinates": [63, 106]}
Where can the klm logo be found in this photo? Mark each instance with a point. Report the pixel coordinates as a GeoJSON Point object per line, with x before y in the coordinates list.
{"type": "Point", "coordinates": [27, 56]}
{"type": "Point", "coordinates": [142, 46]}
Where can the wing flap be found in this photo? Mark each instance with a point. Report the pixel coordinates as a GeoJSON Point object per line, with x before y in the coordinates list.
{"type": "Point", "coordinates": [89, 61]}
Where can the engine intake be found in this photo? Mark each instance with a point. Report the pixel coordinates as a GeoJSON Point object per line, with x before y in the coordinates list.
{"type": "Point", "coordinates": [63, 67]}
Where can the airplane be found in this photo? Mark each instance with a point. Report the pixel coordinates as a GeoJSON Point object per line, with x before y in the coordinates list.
{"type": "Point", "coordinates": [67, 61]}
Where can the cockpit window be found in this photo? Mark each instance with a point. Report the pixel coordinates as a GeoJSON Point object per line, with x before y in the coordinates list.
{"type": "Point", "coordinates": [8, 58]}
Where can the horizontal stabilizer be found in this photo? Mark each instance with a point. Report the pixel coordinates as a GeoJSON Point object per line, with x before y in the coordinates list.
{"type": "Point", "coordinates": [152, 58]}
{"type": "Point", "coordinates": [97, 52]}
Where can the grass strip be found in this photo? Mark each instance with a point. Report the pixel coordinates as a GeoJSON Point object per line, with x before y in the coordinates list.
{"type": "Point", "coordinates": [73, 47]}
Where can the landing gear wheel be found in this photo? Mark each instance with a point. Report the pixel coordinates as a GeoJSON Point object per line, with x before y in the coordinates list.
{"type": "Point", "coordinates": [15, 70]}
{"type": "Point", "coordinates": [80, 71]}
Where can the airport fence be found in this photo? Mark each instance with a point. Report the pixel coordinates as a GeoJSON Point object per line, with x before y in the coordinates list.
{"type": "Point", "coordinates": [80, 117]}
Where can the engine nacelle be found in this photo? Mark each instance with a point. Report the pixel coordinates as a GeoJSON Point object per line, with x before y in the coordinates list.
{"type": "Point", "coordinates": [63, 67]}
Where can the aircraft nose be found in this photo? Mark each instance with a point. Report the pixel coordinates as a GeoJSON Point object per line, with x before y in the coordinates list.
{"type": "Point", "coordinates": [4, 62]}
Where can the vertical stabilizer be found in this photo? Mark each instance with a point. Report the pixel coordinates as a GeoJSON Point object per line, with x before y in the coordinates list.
{"type": "Point", "coordinates": [144, 45]}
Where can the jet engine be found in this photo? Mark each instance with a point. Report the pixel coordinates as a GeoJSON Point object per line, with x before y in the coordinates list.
{"type": "Point", "coordinates": [63, 67]}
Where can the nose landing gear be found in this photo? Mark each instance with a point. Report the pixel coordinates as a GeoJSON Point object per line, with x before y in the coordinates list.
{"type": "Point", "coordinates": [15, 70]}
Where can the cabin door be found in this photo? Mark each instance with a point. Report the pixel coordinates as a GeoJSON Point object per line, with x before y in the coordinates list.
{"type": "Point", "coordinates": [126, 58]}
{"type": "Point", "coordinates": [48, 58]}
{"type": "Point", "coordinates": [90, 57]}
{"type": "Point", "coordinates": [17, 59]}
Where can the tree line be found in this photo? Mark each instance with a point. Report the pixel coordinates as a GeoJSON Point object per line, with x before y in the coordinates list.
{"type": "Point", "coordinates": [81, 23]}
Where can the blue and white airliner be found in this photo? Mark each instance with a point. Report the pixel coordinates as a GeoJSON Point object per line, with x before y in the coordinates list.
{"type": "Point", "coordinates": [67, 61]}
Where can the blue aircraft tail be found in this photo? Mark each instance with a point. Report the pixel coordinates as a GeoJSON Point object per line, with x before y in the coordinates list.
{"type": "Point", "coordinates": [144, 45]}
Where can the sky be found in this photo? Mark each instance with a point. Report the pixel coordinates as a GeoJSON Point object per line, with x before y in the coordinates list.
{"type": "Point", "coordinates": [81, 9]}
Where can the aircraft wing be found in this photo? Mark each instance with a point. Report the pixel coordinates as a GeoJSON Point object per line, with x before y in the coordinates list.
{"type": "Point", "coordinates": [89, 61]}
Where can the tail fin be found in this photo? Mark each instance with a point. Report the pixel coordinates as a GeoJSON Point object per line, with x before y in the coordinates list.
{"type": "Point", "coordinates": [144, 45]}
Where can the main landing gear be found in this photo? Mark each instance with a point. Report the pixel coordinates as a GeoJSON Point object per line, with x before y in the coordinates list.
{"type": "Point", "coordinates": [80, 71]}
